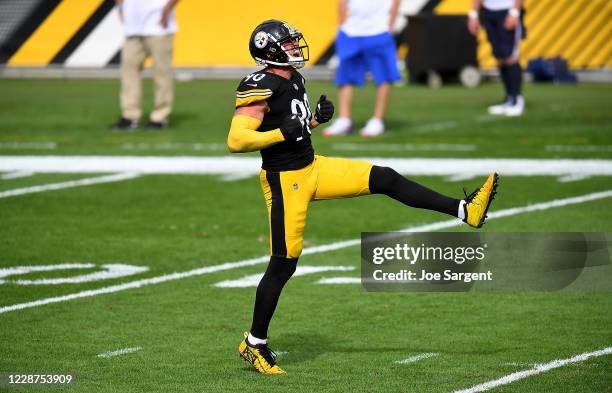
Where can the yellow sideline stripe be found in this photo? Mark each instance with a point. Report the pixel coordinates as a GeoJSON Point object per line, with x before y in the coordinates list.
{"type": "Point", "coordinates": [54, 32]}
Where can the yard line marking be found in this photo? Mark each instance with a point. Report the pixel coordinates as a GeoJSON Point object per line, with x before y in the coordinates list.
{"type": "Point", "coordinates": [537, 369]}
{"type": "Point", "coordinates": [516, 364]}
{"type": "Point", "coordinates": [69, 184]}
{"type": "Point", "coordinates": [175, 146]}
{"type": "Point", "coordinates": [418, 357]}
{"type": "Point", "coordinates": [339, 280]}
{"type": "Point", "coordinates": [15, 175]}
{"type": "Point", "coordinates": [443, 125]}
{"type": "Point", "coordinates": [110, 271]}
{"type": "Point", "coordinates": [402, 147]}
{"type": "Point", "coordinates": [578, 148]}
{"type": "Point", "coordinates": [118, 352]}
{"type": "Point", "coordinates": [253, 279]}
{"type": "Point", "coordinates": [227, 165]}
{"type": "Point", "coordinates": [28, 145]}
{"type": "Point", "coordinates": [310, 250]}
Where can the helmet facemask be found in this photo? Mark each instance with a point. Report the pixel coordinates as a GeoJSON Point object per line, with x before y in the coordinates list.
{"type": "Point", "coordinates": [296, 49]}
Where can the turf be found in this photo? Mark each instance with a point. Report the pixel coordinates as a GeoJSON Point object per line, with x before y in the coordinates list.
{"type": "Point", "coordinates": [338, 338]}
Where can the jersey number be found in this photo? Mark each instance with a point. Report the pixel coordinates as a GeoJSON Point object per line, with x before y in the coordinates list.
{"type": "Point", "coordinates": [302, 110]}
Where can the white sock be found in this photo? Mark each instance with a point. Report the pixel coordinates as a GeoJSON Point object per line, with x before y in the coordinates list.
{"type": "Point", "coordinates": [256, 341]}
{"type": "Point", "coordinates": [461, 211]}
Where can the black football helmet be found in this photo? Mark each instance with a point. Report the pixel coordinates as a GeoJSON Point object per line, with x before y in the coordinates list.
{"type": "Point", "coordinates": [275, 42]}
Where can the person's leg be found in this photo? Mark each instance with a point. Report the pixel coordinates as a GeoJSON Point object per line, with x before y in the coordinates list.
{"type": "Point", "coordinates": [504, 76]}
{"type": "Point", "coordinates": [514, 71]}
{"type": "Point", "coordinates": [493, 22]}
{"type": "Point", "coordinates": [287, 195]}
{"type": "Point", "coordinates": [161, 51]}
{"type": "Point", "coordinates": [345, 100]}
{"type": "Point", "coordinates": [350, 73]}
{"type": "Point", "coordinates": [277, 274]}
{"type": "Point", "coordinates": [345, 178]}
{"type": "Point", "coordinates": [382, 97]}
{"type": "Point", "coordinates": [133, 56]}
{"type": "Point", "coordinates": [384, 180]}
{"type": "Point", "coordinates": [381, 58]}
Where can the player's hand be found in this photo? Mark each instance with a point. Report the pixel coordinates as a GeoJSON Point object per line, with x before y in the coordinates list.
{"type": "Point", "coordinates": [325, 110]}
{"type": "Point", "coordinates": [163, 22]}
{"type": "Point", "coordinates": [292, 129]}
{"type": "Point", "coordinates": [473, 25]}
{"type": "Point", "coordinates": [511, 22]}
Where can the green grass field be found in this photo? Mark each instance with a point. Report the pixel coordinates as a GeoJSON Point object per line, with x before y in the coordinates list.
{"type": "Point", "coordinates": [333, 338]}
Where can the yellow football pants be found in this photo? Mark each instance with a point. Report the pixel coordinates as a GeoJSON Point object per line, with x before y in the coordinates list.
{"type": "Point", "coordinates": [288, 194]}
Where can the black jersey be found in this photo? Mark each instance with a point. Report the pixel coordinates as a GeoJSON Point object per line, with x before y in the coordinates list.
{"type": "Point", "coordinates": [284, 97]}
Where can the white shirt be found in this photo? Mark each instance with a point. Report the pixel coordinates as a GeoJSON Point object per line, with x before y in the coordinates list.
{"type": "Point", "coordinates": [497, 5]}
{"type": "Point", "coordinates": [367, 17]}
{"type": "Point", "coordinates": [142, 17]}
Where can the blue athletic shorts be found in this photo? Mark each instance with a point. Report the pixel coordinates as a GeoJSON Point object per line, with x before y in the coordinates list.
{"type": "Point", "coordinates": [358, 55]}
{"type": "Point", "coordinates": [505, 43]}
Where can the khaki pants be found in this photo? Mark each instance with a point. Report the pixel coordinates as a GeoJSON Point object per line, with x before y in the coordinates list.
{"type": "Point", "coordinates": [135, 51]}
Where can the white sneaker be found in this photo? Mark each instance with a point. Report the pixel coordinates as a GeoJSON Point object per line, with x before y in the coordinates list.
{"type": "Point", "coordinates": [517, 108]}
{"type": "Point", "coordinates": [374, 127]}
{"type": "Point", "coordinates": [499, 109]}
{"type": "Point", "coordinates": [340, 126]}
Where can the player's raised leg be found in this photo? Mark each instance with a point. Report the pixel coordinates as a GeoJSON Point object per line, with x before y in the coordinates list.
{"type": "Point", "coordinates": [472, 209]}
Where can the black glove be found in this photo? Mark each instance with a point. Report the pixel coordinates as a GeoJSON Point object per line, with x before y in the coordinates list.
{"type": "Point", "coordinates": [292, 129]}
{"type": "Point", "coordinates": [325, 110]}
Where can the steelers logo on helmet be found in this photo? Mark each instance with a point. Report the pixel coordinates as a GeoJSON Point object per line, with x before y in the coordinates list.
{"type": "Point", "coordinates": [261, 39]}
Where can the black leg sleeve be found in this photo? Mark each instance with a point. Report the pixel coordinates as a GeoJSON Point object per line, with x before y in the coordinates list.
{"type": "Point", "coordinates": [277, 274]}
{"type": "Point", "coordinates": [387, 181]}
{"type": "Point", "coordinates": [504, 74]}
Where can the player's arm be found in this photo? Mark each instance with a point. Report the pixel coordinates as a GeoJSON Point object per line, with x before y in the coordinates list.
{"type": "Point", "coordinates": [473, 22]}
{"type": "Point", "coordinates": [342, 11]}
{"type": "Point", "coordinates": [166, 12]}
{"type": "Point", "coordinates": [243, 136]}
{"type": "Point", "coordinates": [393, 15]}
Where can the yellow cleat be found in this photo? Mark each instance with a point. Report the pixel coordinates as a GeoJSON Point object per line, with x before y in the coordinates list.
{"type": "Point", "coordinates": [477, 203]}
{"type": "Point", "coordinates": [260, 357]}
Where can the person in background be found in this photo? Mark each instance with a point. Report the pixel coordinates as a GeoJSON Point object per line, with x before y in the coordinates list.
{"type": "Point", "coordinates": [504, 26]}
{"type": "Point", "coordinates": [150, 26]}
{"type": "Point", "coordinates": [365, 43]}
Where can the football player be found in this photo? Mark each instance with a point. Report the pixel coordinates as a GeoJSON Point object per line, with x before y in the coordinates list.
{"type": "Point", "coordinates": [273, 115]}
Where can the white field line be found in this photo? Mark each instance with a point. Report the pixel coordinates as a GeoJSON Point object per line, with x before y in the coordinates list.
{"type": "Point", "coordinates": [175, 146]}
{"type": "Point", "coordinates": [339, 280]}
{"type": "Point", "coordinates": [111, 270]}
{"type": "Point", "coordinates": [402, 147]}
{"type": "Point", "coordinates": [443, 125]}
{"type": "Point", "coordinates": [15, 175]}
{"type": "Point", "coordinates": [118, 352]}
{"type": "Point", "coordinates": [579, 148]}
{"type": "Point", "coordinates": [68, 184]}
{"type": "Point", "coordinates": [416, 358]}
{"type": "Point", "coordinates": [227, 165]}
{"type": "Point", "coordinates": [310, 250]}
{"type": "Point", "coordinates": [537, 369]}
{"type": "Point", "coordinates": [253, 279]}
{"type": "Point", "coordinates": [28, 145]}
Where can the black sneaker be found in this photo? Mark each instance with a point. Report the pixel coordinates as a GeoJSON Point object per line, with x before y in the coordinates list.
{"type": "Point", "coordinates": [157, 125]}
{"type": "Point", "coordinates": [125, 124]}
